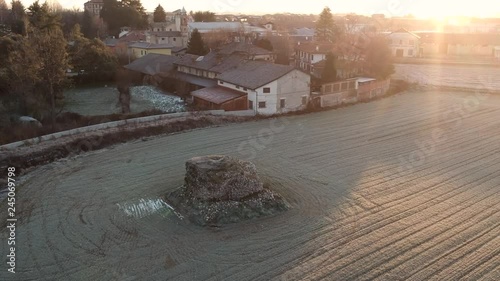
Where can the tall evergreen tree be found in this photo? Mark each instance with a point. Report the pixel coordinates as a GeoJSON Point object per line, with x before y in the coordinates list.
{"type": "Point", "coordinates": [88, 28]}
{"type": "Point", "coordinates": [40, 17]}
{"type": "Point", "coordinates": [329, 72]}
{"type": "Point", "coordinates": [196, 46]}
{"type": "Point", "coordinates": [18, 18]}
{"type": "Point", "coordinates": [118, 14]}
{"type": "Point", "coordinates": [159, 14]}
{"type": "Point", "coordinates": [326, 29]}
{"type": "Point", "coordinates": [205, 16]}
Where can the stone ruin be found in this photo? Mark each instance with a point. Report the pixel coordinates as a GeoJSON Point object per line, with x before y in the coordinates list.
{"type": "Point", "coordinates": [221, 189]}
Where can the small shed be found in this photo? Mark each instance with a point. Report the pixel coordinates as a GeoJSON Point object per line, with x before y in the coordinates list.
{"type": "Point", "coordinates": [216, 98]}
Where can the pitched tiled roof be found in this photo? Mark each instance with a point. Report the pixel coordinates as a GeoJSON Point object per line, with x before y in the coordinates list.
{"type": "Point", "coordinates": [223, 58]}
{"type": "Point", "coordinates": [212, 61]}
{"type": "Point", "coordinates": [403, 30]}
{"type": "Point", "coordinates": [166, 33]}
{"type": "Point", "coordinates": [217, 94]}
{"type": "Point", "coordinates": [146, 45]}
{"type": "Point", "coordinates": [303, 32]}
{"type": "Point", "coordinates": [152, 64]}
{"type": "Point", "coordinates": [315, 48]}
{"type": "Point", "coordinates": [133, 36]}
{"type": "Point", "coordinates": [254, 74]}
{"type": "Point", "coordinates": [195, 80]}
{"type": "Point", "coordinates": [210, 26]}
{"type": "Point", "coordinates": [244, 48]}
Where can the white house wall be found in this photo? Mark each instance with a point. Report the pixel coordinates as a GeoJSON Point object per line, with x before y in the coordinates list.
{"type": "Point", "coordinates": [292, 87]}
{"type": "Point", "coordinates": [405, 42]}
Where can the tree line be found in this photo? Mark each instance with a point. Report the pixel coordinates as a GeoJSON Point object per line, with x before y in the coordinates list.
{"type": "Point", "coordinates": [36, 56]}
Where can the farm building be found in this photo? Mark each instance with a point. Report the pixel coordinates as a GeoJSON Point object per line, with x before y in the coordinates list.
{"type": "Point", "coordinates": [404, 43]}
{"type": "Point", "coordinates": [271, 88]}
{"type": "Point", "coordinates": [220, 98]}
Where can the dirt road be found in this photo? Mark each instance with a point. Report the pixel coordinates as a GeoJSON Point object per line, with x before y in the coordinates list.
{"type": "Point", "coordinates": [405, 188]}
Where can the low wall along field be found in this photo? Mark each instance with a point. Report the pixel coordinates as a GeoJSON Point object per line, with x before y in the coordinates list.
{"type": "Point", "coordinates": [345, 92]}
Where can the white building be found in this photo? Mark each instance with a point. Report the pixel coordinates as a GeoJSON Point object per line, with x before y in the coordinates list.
{"type": "Point", "coordinates": [173, 31]}
{"type": "Point", "coordinates": [404, 43]}
{"type": "Point", "coordinates": [173, 38]}
{"type": "Point", "coordinates": [270, 88]}
{"type": "Point", "coordinates": [309, 54]}
{"type": "Point", "coordinates": [206, 27]}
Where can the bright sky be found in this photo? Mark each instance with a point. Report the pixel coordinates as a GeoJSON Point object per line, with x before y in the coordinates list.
{"type": "Point", "coordinates": [420, 8]}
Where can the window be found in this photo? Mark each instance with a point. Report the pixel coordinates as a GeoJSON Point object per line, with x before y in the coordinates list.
{"type": "Point", "coordinates": [410, 53]}
{"type": "Point", "coordinates": [336, 87]}
{"type": "Point", "coordinates": [262, 104]}
{"type": "Point", "coordinates": [237, 87]}
{"type": "Point", "coordinates": [267, 90]}
{"type": "Point", "coordinates": [175, 39]}
{"type": "Point", "coordinates": [162, 39]}
{"type": "Point", "coordinates": [282, 103]}
{"type": "Point", "coordinates": [304, 100]}
{"type": "Point", "coordinates": [245, 89]}
{"type": "Point", "coordinates": [312, 57]}
{"type": "Point", "coordinates": [220, 82]}
{"type": "Point", "coordinates": [250, 104]}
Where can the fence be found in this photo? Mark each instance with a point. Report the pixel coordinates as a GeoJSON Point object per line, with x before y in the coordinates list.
{"type": "Point", "coordinates": [350, 91]}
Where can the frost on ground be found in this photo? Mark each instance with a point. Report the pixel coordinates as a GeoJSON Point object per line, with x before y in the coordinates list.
{"type": "Point", "coordinates": [96, 101]}
{"type": "Point", "coordinates": [158, 99]}
{"type": "Point", "coordinates": [404, 188]}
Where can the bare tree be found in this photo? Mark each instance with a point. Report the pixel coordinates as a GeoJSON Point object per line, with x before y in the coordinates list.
{"type": "Point", "coordinates": [219, 37]}
{"type": "Point", "coordinates": [54, 6]}
{"type": "Point", "coordinates": [124, 82]}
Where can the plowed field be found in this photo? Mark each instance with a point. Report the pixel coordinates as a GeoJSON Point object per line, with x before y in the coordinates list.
{"type": "Point", "coordinates": [404, 188]}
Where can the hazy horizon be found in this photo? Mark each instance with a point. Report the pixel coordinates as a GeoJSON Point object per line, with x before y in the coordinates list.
{"type": "Point", "coordinates": [391, 8]}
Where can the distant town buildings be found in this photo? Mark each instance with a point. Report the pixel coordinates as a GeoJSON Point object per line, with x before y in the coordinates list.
{"type": "Point", "coordinates": [459, 44]}
{"type": "Point", "coordinates": [236, 76]}
{"type": "Point", "coordinates": [307, 55]}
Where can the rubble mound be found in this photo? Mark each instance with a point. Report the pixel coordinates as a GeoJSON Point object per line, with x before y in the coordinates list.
{"type": "Point", "coordinates": [221, 189]}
